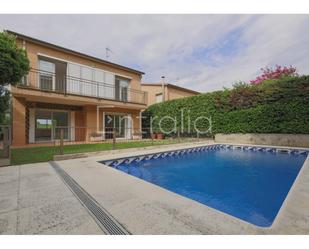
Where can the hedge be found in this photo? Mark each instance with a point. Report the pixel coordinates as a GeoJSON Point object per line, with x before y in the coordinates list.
{"type": "Point", "coordinates": [275, 106]}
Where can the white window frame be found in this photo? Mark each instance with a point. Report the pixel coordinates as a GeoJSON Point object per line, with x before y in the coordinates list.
{"type": "Point", "coordinates": [52, 74]}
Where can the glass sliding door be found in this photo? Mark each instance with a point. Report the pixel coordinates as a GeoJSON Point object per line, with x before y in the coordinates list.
{"type": "Point", "coordinates": [43, 126]}
{"type": "Point", "coordinates": [60, 122]}
{"type": "Point", "coordinates": [108, 126]}
{"type": "Point", "coordinates": [121, 89]}
{"type": "Point", "coordinates": [48, 125]}
{"type": "Point", "coordinates": [120, 126]}
{"type": "Point", "coordinates": [117, 122]}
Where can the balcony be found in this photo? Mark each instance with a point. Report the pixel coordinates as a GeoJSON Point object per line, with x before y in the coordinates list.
{"type": "Point", "coordinates": [65, 84]}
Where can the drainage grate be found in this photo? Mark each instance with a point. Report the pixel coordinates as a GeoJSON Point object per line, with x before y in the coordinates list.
{"type": "Point", "coordinates": [101, 216]}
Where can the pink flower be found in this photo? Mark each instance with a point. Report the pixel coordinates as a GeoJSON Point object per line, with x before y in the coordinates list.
{"type": "Point", "coordinates": [277, 73]}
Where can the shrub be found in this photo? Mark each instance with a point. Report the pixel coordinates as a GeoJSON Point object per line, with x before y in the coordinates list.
{"type": "Point", "coordinates": [280, 106]}
{"type": "Point", "coordinates": [277, 73]}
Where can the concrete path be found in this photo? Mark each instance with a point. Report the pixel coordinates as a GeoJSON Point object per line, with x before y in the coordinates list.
{"type": "Point", "coordinates": [34, 200]}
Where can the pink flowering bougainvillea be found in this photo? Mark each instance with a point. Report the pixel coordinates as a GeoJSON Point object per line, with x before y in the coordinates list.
{"type": "Point", "coordinates": [277, 73]}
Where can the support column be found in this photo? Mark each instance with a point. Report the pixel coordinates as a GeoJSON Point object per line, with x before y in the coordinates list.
{"type": "Point", "coordinates": [91, 121]}
{"type": "Point", "coordinates": [19, 122]}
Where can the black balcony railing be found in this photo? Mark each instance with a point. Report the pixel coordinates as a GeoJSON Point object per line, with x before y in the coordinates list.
{"type": "Point", "coordinates": [65, 84]}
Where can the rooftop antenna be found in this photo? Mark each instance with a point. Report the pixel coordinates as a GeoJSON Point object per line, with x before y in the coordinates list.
{"type": "Point", "coordinates": [107, 52]}
{"type": "Point", "coordinates": [163, 88]}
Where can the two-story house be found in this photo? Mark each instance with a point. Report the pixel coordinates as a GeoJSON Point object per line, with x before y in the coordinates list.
{"type": "Point", "coordinates": [84, 96]}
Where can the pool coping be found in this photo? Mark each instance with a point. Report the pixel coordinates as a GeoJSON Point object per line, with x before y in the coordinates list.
{"type": "Point", "coordinates": [281, 149]}
{"type": "Point", "coordinates": [291, 218]}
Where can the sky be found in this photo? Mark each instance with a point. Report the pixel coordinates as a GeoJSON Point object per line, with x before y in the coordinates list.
{"type": "Point", "coordinates": [201, 52]}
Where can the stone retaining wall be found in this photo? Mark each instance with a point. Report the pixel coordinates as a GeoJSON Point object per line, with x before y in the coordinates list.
{"type": "Point", "coordinates": [293, 140]}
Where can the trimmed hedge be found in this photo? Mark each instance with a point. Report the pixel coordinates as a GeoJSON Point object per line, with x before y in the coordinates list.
{"type": "Point", "coordinates": [275, 106]}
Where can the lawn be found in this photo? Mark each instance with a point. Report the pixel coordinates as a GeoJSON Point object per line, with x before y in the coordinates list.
{"type": "Point", "coordinates": [44, 154]}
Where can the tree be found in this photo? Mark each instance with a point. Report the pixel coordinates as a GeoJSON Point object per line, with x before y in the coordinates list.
{"type": "Point", "coordinates": [277, 73]}
{"type": "Point", "coordinates": [14, 64]}
{"type": "Point", "coordinates": [4, 103]}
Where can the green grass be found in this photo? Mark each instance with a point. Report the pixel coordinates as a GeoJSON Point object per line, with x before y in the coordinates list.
{"type": "Point", "coordinates": [44, 154]}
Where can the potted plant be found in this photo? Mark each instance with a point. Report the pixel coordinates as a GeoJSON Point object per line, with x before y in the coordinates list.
{"type": "Point", "coordinates": [160, 136]}
{"type": "Point", "coordinates": [153, 135]}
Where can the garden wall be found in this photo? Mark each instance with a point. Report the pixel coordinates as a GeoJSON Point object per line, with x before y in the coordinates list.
{"type": "Point", "coordinates": [292, 140]}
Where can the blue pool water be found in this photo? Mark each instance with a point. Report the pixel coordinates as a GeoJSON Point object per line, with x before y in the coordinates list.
{"type": "Point", "coordinates": [250, 185]}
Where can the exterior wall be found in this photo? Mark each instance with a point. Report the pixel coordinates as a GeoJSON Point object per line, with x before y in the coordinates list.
{"type": "Point", "coordinates": [34, 49]}
{"type": "Point", "coordinates": [91, 120]}
{"type": "Point", "coordinates": [177, 94]}
{"type": "Point", "coordinates": [80, 132]}
{"type": "Point", "coordinates": [19, 122]}
{"type": "Point", "coordinates": [170, 93]}
{"type": "Point", "coordinates": [152, 91]}
{"type": "Point", "coordinates": [293, 140]}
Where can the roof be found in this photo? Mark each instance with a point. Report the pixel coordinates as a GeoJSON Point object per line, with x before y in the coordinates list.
{"type": "Point", "coordinates": [34, 40]}
{"type": "Point", "coordinates": [172, 86]}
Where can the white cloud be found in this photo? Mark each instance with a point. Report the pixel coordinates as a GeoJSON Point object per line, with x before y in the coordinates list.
{"type": "Point", "coordinates": [170, 44]}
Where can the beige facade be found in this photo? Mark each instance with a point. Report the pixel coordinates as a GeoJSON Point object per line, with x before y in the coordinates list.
{"type": "Point", "coordinates": [75, 91]}
{"type": "Point", "coordinates": [157, 93]}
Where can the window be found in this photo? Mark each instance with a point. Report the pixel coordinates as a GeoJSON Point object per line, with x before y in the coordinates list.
{"type": "Point", "coordinates": [90, 81]}
{"type": "Point", "coordinates": [48, 125]}
{"type": "Point", "coordinates": [47, 75]}
{"type": "Point", "coordinates": [24, 80]}
{"type": "Point", "coordinates": [159, 97]}
{"type": "Point", "coordinates": [73, 82]}
{"type": "Point", "coordinates": [122, 86]}
{"type": "Point", "coordinates": [88, 86]}
{"type": "Point", "coordinates": [110, 90]}
{"type": "Point", "coordinates": [99, 79]}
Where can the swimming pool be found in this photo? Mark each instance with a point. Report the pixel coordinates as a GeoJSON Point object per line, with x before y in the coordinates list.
{"type": "Point", "coordinates": [249, 183]}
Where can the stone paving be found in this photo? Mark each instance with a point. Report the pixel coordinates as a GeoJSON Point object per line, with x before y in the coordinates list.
{"type": "Point", "coordinates": [34, 200]}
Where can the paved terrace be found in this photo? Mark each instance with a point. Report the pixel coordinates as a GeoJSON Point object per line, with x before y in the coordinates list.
{"type": "Point", "coordinates": [34, 200]}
